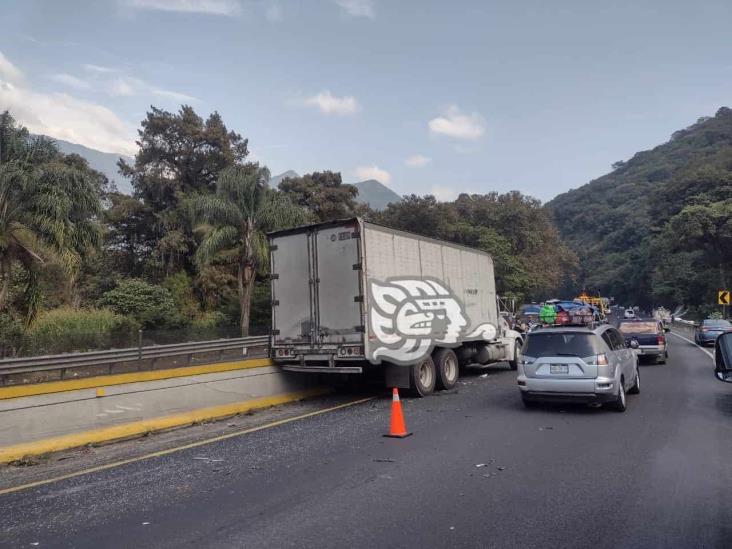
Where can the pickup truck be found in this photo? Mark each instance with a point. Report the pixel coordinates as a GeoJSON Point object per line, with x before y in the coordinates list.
{"type": "Point", "coordinates": [650, 335]}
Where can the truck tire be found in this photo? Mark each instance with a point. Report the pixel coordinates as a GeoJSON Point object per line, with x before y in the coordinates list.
{"type": "Point", "coordinates": [448, 370]}
{"type": "Point", "coordinates": [513, 364]}
{"type": "Point", "coordinates": [422, 377]}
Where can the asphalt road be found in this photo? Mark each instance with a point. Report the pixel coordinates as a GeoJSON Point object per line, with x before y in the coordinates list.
{"type": "Point", "coordinates": [658, 475]}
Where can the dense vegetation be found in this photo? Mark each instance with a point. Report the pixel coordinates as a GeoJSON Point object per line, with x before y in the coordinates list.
{"type": "Point", "coordinates": [658, 228]}
{"type": "Point", "coordinates": [83, 266]}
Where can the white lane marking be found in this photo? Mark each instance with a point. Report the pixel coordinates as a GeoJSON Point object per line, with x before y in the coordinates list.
{"type": "Point", "coordinates": [694, 344]}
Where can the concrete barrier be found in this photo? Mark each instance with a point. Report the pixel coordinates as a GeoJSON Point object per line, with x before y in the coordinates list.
{"type": "Point", "coordinates": [102, 409]}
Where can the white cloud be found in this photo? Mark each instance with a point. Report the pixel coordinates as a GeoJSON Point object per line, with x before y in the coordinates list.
{"type": "Point", "coordinates": [71, 81]}
{"type": "Point", "coordinates": [62, 116]}
{"type": "Point", "coordinates": [373, 172]}
{"type": "Point", "coordinates": [124, 86]}
{"type": "Point", "coordinates": [417, 161]}
{"type": "Point", "coordinates": [173, 95]}
{"type": "Point", "coordinates": [357, 8]}
{"type": "Point", "coordinates": [228, 8]}
{"type": "Point", "coordinates": [443, 194]}
{"type": "Point", "coordinates": [98, 68]}
{"type": "Point", "coordinates": [453, 123]}
{"type": "Point", "coordinates": [127, 86]}
{"type": "Point", "coordinates": [8, 71]}
{"type": "Point", "coordinates": [328, 103]}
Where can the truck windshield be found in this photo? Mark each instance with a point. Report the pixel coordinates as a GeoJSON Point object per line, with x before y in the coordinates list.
{"type": "Point", "coordinates": [638, 327]}
{"type": "Point", "coordinates": [579, 344]}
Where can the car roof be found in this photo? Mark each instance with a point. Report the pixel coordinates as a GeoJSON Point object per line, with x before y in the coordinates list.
{"type": "Point", "coordinates": [575, 329]}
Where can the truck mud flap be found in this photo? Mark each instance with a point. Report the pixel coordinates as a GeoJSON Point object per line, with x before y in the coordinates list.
{"type": "Point", "coordinates": [397, 376]}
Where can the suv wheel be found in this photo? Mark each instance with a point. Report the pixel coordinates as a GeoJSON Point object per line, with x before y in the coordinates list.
{"type": "Point", "coordinates": [635, 389]}
{"type": "Point", "coordinates": [619, 404]}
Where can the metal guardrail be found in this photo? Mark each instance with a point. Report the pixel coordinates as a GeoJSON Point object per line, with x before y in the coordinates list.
{"type": "Point", "coordinates": [146, 357]}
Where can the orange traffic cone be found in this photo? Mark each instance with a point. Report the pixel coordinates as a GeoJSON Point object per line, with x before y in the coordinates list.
{"type": "Point", "coordinates": [397, 429]}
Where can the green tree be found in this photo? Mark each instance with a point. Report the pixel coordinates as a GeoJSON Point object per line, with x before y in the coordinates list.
{"type": "Point", "coordinates": [150, 305]}
{"type": "Point", "coordinates": [49, 208]}
{"type": "Point", "coordinates": [707, 227]}
{"type": "Point", "coordinates": [180, 157]}
{"type": "Point", "coordinates": [323, 194]}
{"type": "Point", "coordinates": [237, 217]}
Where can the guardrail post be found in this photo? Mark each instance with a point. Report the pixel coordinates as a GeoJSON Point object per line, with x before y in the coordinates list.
{"type": "Point", "coordinates": [139, 344]}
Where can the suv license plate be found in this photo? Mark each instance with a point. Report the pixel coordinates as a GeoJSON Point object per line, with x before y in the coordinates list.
{"type": "Point", "coordinates": [558, 369]}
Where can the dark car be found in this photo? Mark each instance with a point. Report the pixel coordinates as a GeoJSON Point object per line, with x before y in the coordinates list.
{"type": "Point", "coordinates": [650, 335]}
{"type": "Point", "coordinates": [710, 329]}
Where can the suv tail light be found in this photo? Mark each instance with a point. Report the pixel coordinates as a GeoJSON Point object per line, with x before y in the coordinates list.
{"type": "Point", "coordinates": [660, 340]}
{"type": "Point", "coordinates": [597, 360]}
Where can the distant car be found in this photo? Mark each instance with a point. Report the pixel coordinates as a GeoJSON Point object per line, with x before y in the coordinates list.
{"type": "Point", "coordinates": [577, 364]}
{"type": "Point", "coordinates": [650, 335]}
{"type": "Point", "coordinates": [710, 329]}
{"type": "Point", "coordinates": [629, 313]}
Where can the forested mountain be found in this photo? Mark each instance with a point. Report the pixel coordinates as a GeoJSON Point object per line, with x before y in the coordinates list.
{"type": "Point", "coordinates": [658, 228]}
{"type": "Point", "coordinates": [105, 163]}
{"type": "Point", "coordinates": [375, 194]}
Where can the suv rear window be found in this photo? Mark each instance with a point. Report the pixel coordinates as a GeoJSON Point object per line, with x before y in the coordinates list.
{"type": "Point", "coordinates": [579, 344]}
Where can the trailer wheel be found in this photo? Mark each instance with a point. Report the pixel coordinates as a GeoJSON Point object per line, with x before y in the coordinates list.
{"type": "Point", "coordinates": [422, 377]}
{"type": "Point", "coordinates": [513, 364]}
{"type": "Point", "coordinates": [448, 370]}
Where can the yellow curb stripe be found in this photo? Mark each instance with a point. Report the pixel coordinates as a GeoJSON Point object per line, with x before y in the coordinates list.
{"type": "Point", "coordinates": [104, 434]}
{"type": "Point", "coordinates": [130, 377]}
{"type": "Point", "coordinates": [179, 448]}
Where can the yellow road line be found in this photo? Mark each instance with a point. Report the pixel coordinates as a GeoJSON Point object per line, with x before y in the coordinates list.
{"type": "Point", "coordinates": [140, 427]}
{"type": "Point", "coordinates": [184, 447]}
{"type": "Point", "coordinates": [130, 377]}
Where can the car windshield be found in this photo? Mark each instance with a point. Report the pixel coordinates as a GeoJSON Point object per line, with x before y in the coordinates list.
{"type": "Point", "coordinates": [579, 344]}
{"type": "Point", "coordinates": [638, 327]}
{"type": "Point", "coordinates": [717, 323]}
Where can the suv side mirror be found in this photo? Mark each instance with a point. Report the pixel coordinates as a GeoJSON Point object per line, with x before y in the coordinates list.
{"type": "Point", "coordinates": [666, 329]}
{"type": "Point", "coordinates": [723, 357]}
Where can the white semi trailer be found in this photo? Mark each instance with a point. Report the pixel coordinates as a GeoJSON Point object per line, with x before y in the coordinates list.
{"type": "Point", "coordinates": [352, 297]}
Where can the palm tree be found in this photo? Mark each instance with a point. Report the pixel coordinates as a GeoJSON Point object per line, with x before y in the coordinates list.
{"type": "Point", "coordinates": [49, 207]}
{"type": "Point", "coordinates": [242, 209]}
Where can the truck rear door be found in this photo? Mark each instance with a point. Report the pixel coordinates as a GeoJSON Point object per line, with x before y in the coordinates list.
{"type": "Point", "coordinates": [316, 286]}
{"type": "Point", "coordinates": [338, 312]}
{"type": "Point", "coordinates": [292, 309]}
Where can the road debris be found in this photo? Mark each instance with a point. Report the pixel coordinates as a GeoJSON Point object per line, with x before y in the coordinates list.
{"type": "Point", "coordinates": [501, 468]}
{"type": "Point", "coordinates": [548, 428]}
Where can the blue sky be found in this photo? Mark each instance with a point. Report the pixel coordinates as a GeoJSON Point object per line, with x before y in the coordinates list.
{"type": "Point", "coordinates": [427, 96]}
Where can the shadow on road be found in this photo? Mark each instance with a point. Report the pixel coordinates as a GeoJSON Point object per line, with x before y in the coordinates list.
{"type": "Point", "coordinates": [723, 403]}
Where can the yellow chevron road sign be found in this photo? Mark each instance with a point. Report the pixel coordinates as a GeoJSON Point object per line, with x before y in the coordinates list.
{"type": "Point", "coordinates": [724, 298]}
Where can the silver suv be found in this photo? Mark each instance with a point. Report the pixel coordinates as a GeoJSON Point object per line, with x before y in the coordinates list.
{"type": "Point", "coordinates": [578, 364]}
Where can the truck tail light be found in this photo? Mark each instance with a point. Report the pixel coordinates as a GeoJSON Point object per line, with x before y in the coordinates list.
{"type": "Point", "coordinates": [660, 340]}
